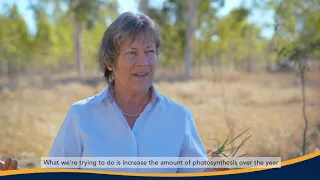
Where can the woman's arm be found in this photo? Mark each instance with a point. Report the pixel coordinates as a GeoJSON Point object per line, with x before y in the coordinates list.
{"type": "Point", "coordinates": [68, 142]}
{"type": "Point", "coordinates": [192, 144]}
{"type": "Point", "coordinates": [193, 147]}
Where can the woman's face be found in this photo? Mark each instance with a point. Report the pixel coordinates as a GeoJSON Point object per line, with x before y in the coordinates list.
{"type": "Point", "coordinates": [136, 64]}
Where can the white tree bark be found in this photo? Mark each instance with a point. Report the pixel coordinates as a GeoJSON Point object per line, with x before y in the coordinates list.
{"type": "Point", "coordinates": [190, 19]}
{"type": "Point", "coordinates": [143, 6]}
{"type": "Point", "coordinates": [78, 43]}
{"type": "Point", "coordinates": [77, 40]}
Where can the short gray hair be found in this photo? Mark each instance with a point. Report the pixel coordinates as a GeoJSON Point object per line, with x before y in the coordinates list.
{"type": "Point", "coordinates": [127, 26]}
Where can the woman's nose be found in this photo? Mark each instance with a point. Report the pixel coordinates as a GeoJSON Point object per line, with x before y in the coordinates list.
{"type": "Point", "coordinates": [142, 60]}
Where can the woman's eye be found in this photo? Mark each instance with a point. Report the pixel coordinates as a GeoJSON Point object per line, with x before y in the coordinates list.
{"type": "Point", "coordinates": [132, 52]}
{"type": "Point", "coordinates": [150, 51]}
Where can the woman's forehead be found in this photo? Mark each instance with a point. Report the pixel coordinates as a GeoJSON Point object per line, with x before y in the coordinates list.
{"type": "Point", "coordinates": [138, 41]}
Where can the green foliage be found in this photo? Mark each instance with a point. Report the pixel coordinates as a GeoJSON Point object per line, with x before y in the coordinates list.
{"type": "Point", "coordinates": [234, 150]}
{"type": "Point", "coordinates": [92, 11]}
{"type": "Point", "coordinates": [91, 44]}
{"type": "Point", "coordinates": [64, 35]}
{"type": "Point", "coordinates": [297, 39]}
{"type": "Point", "coordinates": [230, 39]}
{"type": "Point", "coordinates": [297, 29]}
{"type": "Point", "coordinates": [171, 18]}
{"type": "Point", "coordinates": [237, 38]}
{"type": "Point", "coordinates": [15, 41]}
{"type": "Point", "coordinates": [45, 42]}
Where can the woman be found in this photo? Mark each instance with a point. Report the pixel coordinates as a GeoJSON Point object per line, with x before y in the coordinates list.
{"type": "Point", "coordinates": [129, 118]}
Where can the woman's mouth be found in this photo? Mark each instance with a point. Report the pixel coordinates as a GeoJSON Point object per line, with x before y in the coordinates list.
{"type": "Point", "coordinates": [140, 75]}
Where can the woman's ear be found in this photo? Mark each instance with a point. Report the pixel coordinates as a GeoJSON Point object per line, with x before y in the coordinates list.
{"type": "Point", "coordinates": [109, 68]}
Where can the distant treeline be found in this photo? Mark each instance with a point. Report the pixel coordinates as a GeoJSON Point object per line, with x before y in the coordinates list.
{"type": "Point", "coordinates": [68, 37]}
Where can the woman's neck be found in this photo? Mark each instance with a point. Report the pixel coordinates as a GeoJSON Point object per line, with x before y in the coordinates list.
{"type": "Point", "coordinates": [131, 101]}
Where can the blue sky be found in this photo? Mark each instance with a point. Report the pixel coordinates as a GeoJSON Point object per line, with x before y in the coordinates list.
{"type": "Point", "coordinates": [258, 17]}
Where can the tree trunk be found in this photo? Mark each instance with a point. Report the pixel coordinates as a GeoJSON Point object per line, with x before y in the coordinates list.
{"type": "Point", "coordinates": [200, 65]}
{"type": "Point", "coordinates": [18, 71]}
{"type": "Point", "coordinates": [250, 45]}
{"type": "Point", "coordinates": [78, 25]}
{"type": "Point", "coordinates": [302, 66]}
{"type": "Point", "coordinates": [268, 63]}
{"type": "Point", "coordinates": [236, 64]}
{"type": "Point", "coordinates": [11, 69]}
{"type": "Point", "coordinates": [4, 67]}
{"type": "Point", "coordinates": [191, 26]}
{"type": "Point", "coordinates": [143, 6]}
{"type": "Point", "coordinates": [249, 65]}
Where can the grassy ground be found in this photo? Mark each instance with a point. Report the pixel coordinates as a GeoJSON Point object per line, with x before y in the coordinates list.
{"type": "Point", "coordinates": [271, 103]}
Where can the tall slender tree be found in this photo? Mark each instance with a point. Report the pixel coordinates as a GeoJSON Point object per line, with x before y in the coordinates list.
{"type": "Point", "coordinates": [85, 14]}
{"type": "Point", "coordinates": [16, 42]}
{"type": "Point", "coordinates": [297, 39]}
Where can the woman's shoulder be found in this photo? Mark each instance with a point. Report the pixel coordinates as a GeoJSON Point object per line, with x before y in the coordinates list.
{"type": "Point", "coordinates": [91, 100]}
{"type": "Point", "coordinates": [84, 102]}
{"type": "Point", "coordinates": [87, 103]}
{"type": "Point", "coordinates": [173, 105]}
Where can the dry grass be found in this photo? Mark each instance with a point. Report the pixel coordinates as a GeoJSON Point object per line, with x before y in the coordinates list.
{"type": "Point", "coordinates": [30, 117]}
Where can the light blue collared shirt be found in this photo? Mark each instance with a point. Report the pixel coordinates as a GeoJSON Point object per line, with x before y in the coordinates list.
{"type": "Point", "coordinates": [95, 127]}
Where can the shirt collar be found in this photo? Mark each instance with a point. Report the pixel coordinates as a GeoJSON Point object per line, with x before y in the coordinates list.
{"type": "Point", "coordinates": [107, 94]}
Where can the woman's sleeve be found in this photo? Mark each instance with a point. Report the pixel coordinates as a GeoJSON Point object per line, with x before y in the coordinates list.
{"type": "Point", "coordinates": [68, 142]}
{"type": "Point", "coordinates": [192, 145]}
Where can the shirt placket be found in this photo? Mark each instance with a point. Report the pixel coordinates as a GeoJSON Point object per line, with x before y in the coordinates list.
{"type": "Point", "coordinates": [135, 130]}
{"type": "Point", "coordinates": [132, 139]}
